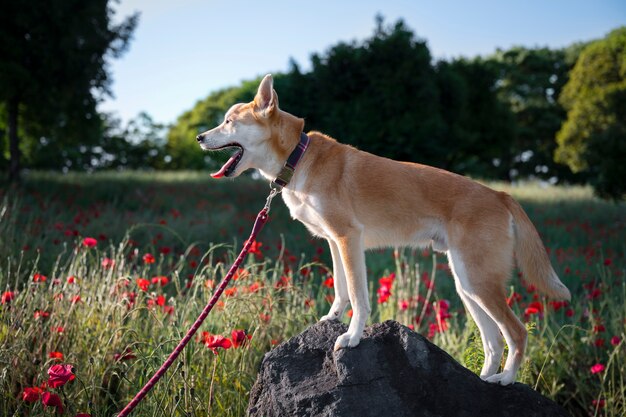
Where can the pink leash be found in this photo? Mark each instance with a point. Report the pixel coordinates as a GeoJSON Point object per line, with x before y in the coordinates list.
{"type": "Point", "coordinates": [260, 221]}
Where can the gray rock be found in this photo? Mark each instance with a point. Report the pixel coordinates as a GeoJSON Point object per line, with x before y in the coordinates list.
{"type": "Point", "coordinates": [393, 372]}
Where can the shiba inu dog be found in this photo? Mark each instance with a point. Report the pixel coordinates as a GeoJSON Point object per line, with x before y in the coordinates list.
{"type": "Point", "coordinates": [357, 201]}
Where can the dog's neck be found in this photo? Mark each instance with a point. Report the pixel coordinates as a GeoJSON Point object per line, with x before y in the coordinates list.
{"type": "Point", "coordinates": [285, 139]}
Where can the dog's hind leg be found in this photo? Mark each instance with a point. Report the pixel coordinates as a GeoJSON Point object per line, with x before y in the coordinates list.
{"type": "Point", "coordinates": [351, 250]}
{"type": "Point", "coordinates": [339, 283]}
{"type": "Point", "coordinates": [493, 343]}
{"type": "Point", "coordinates": [484, 287]}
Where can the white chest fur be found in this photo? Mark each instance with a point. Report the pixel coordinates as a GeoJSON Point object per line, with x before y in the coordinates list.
{"type": "Point", "coordinates": [307, 209]}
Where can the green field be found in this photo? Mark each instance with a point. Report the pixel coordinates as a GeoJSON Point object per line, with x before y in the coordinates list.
{"type": "Point", "coordinates": [115, 314]}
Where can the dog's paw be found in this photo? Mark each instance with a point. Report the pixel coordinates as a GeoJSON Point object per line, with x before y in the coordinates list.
{"type": "Point", "coordinates": [330, 316]}
{"type": "Point", "coordinates": [347, 340]}
{"type": "Point", "coordinates": [504, 378]}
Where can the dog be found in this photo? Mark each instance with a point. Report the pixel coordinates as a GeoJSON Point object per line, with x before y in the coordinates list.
{"type": "Point", "coordinates": [358, 201]}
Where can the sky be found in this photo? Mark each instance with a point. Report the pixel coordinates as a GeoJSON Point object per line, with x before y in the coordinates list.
{"type": "Point", "coordinates": [184, 50]}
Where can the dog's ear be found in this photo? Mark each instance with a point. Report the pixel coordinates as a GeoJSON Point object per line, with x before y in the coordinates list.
{"type": "Point", "coordinates": [266, 99]}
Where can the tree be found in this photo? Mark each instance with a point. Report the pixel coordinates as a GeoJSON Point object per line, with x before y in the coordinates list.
{"type": "Point", "coordinates": [593, 138]}
{"type": "Point", "coordinates": [53, 72]}
{"type": "Point", "coordinates": [529, 82]}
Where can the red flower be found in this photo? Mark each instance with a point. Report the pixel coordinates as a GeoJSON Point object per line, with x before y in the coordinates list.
{"type": "Point", "coordinates": [215, 341]}
{"type": "Point", "coordinates": [59, 375]}
{"type": "Point", "coordinates": [160, 280]}
{"type": "Point", "coordinates": [56, 356]}
{"type": "Point", "coordinates": [329, 282]}
{"type": "Point", "coordinates": [255, 248]}
{"type": "Point", "coordinates": [71, 279]}
{"type": "Point", "coordinates": [148, 258]}
{"type": "Point", "coordinates": [31, 394]}
{"type": "Point", "coordinates": [52, 400]}
{"type": "Point", "coordinates": [82, 415]}
{"type": "Point", "coordinates": [615, 340]}
{"type": "Point", "coordinates": [229, 292]}
{"type": "Point", "coordinates": [283, 282]}
{"type": "Point", "coordinates": [127, 355]}
{"type": "Point", "coordinates": [39, 314]}
{"type": "Point", "coordinates": [89, 242]}
{"type": "Point", "coordinates": [143, 284]}
{"type": "Point", "coordinates": [403, 305]}
{"type": "Point", "coordinates": [76, 299]}
{"type": "Point", "coordinates": [535, 307]}
{"type": "Point", "coordinates": [108, 263]}
{"type": "Point", "coordinates": [254, 287]}
{"type": "Point", "coordinates": [7, 297]}
{"type": "Point", "coordinates": [239, 338]}
{"type": "Point", "coordinates": [597, 368]}
{"type": "Point", "coordinates": [598, 403]}
{"type": "Point", "coordinates": [165, 250]}
{"type": "Point", "coordinates": [39, 278]}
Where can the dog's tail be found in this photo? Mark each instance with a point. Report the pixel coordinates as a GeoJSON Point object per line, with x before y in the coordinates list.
{"type": "Point", "coordinates": [531, 255]}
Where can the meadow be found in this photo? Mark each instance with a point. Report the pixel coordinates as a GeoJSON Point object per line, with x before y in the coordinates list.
{"type": "Point", "coordinates": [101, 274]}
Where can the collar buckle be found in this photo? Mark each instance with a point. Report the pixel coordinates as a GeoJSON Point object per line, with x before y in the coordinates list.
{"type": "Point", "coordinates": [286, 173]}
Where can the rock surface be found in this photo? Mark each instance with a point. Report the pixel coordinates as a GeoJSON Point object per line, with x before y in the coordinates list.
{"type": "Point", "coordinates": [393, 372]}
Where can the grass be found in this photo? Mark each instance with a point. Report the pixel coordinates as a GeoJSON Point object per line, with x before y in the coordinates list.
{"type": "Point", "coordinates": [115, 329]}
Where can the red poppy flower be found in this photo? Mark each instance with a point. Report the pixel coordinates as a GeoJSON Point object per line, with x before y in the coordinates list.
{"type": "Point", "coordinates": [254, 287]}
{"type": "Point", "coordinates": [82, 415]}
{"type": "Point", "coordinates": [229, 292]}
{"type": "Point", "coordinates": [283, 282]}
{"type": "Point", "coordinates": [59, 375]}
{"type": "Point", "coordinates": [615, 340]}
{"type": "Point", "coordinates": [148, 258]}
{"type": "Point", "coordinates": [7, 297]}
{"type": "Point", "coordinates": [39, 278]}
{"type": "Point", "coordinates": [52, 400]}
{"type": "Point", "coordinates": [31, 394]}
{"type": "Point", "coordinates": [127, 355]}
{"type": "Point", "coordinates": [329, 282]}
{"type": "Point", "coordinates": [214, 342]}
{"type": "Point", "coordinates": [108, 263]}
{"type": "Point", "coordinates": [255, 248]}
{"type": "Point", "coordinates": [41, 314]}
{"type": "Point", "coordinates": [597, 368]}
{"type": "Point", "coordinates": [71, 279]}
{"type": "Point", "coordinates": [162, 281]}
{"type": "Point", "coordinates": [239, 338]}
{"type": "Point", "coordinates": [143, 284]}
{"type": "Point", "coordinates": [89, 242]}
{"type": "Point", "coordinates": [56, 356]}
{"type": "Point", "coordinates": [535, 307]}
{"type": "Point", "coordinates": [76, 299]}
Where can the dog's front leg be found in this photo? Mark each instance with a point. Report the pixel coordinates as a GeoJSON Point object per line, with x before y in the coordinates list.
{"type": "Point", "coordinates": [351, 251]}
{"type": "Point", "coordinates": [339, 283]}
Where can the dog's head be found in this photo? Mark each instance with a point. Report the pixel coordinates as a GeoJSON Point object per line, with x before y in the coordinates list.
{"type": "Point", "coordinates": [261, 135]}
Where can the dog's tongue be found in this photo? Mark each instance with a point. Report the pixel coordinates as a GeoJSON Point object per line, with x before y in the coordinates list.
{"type": "Point", "coordinates": [222, 171]}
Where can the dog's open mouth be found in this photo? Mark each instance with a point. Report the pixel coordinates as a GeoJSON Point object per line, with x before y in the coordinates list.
{"type": "Point", "coordinates": [230, 165]}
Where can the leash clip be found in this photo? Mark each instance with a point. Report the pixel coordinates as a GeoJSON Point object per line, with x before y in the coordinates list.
{"type": "Point", "coordinates": [275, 190]}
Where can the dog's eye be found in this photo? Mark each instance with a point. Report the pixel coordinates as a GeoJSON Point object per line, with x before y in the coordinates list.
{"type": "Point", "coordinates": [228, 121]}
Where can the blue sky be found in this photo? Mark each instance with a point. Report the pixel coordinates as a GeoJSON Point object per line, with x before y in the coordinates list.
{"type": "Point", "coordinates": [183, 50]}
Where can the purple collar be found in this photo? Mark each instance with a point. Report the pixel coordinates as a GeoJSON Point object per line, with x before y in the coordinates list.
{"type": "Point", "coordinates": [285, 174]}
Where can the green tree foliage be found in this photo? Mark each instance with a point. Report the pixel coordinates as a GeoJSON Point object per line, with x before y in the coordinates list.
{"type": "Point", "coordinates": [52, 72]}
{"type": "Point", "coordinates": [529, 83]}
{"type": "Point", "coordinates": [593, 138]}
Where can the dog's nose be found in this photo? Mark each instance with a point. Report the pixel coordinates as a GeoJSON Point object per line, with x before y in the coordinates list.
{"type": "Point", "coordinates": [199, 138]}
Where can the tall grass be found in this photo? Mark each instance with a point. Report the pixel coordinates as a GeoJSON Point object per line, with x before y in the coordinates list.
{"type": "Point", "coordinates": [95, 308]}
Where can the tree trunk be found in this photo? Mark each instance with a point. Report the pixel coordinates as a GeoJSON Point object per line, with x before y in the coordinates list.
{"type": "Point", "coordinates": [14, 164]}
